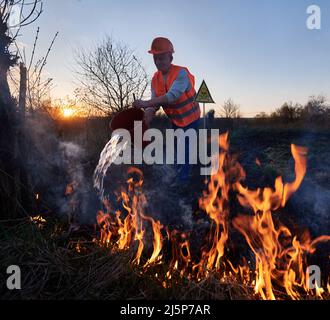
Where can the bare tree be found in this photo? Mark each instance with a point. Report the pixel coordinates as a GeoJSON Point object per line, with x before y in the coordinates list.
{"type": "Point", "coordinates": [316, 108]}
{"type": "Point", "coordinates": [262, 115]}
{"type": "Point", "coordinates": [24, 13]}
{"type": "Point", "coordinates": [230, 110]}
{"type": "Point", "coordinates": [288, 112]}
{"type": "Point", "coordinates": [38, 87]}
{"type": "Point", "coordinates": [109, 76]}
{"type": "Point", "coordinates": [14, 199]}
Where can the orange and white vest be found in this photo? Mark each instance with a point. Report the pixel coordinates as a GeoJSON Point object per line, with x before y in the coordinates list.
{"type": "Point", "coordinates": [184, 110]}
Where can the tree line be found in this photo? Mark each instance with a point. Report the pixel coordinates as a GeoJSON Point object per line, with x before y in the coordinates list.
{"type": "Point", "coordinates": [316, 110]}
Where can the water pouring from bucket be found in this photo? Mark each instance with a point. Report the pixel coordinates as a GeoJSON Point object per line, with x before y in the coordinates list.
{"type": "Point", "coordinates": [127, 119]}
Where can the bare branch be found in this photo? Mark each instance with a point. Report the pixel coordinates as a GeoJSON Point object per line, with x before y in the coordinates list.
{"type": "Point", "coordinates": [109, 75]}
{"type": "Point", "coordinates": [33, 50]}
{"type": "Point", "coordinates": [230, 110]}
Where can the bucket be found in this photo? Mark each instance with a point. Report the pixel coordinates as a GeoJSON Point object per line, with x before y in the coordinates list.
{"type": "Point", "coordinates": [125, 120]}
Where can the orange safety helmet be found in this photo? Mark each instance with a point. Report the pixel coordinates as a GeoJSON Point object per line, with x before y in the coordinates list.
{"type": "Point", "coordinates": [161, 45]}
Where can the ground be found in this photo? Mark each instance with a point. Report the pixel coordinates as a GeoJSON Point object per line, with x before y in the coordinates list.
{"type": "Point", "coordinates": [54, 265]}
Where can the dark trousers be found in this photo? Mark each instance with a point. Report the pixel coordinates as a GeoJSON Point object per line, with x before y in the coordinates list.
{"type": "Point", "coordinates": [183, 170]}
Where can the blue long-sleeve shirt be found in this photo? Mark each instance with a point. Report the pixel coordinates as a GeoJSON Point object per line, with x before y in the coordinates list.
{"type": "Point", "coordinates": [179, 86]}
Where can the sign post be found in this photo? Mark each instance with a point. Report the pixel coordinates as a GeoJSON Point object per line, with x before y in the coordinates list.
{"type": "Point", "coordinates": [204, 96]}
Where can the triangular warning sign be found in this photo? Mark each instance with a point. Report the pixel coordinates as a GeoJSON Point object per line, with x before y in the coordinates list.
{"type": "Point", "coordinates": [203, 94]}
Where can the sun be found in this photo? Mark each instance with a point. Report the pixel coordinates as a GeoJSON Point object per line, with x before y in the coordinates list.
{"type": "Point", "coordinates": [67, 113]}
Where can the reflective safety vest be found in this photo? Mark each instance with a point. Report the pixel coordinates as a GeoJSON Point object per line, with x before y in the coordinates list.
{"type": "Point", "coordinates": [184, 110]}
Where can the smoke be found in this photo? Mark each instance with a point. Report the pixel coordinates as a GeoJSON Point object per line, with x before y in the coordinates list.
{"type": "Point", "coordinates": [77, 204]}
{"type": "Point", "coordinates": [168, 206]}
{"type": "Point", "coordinates": [173, 206]}
{"type": "Point", "coordinates": [311, 202]}
{"type": "Point", "coordinates": [311, 205]}
{"type": "Point", "coordinates": [57, 167]}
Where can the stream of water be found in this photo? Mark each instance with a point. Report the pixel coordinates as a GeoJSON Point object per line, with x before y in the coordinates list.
{"type": "Point", "coordinates": [108, 155]}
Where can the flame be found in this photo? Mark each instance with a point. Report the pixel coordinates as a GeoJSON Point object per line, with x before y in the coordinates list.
{"type": "Point", "coordinates": [299, 155]}
{"type": "Point", "coordinates": [78, 247]}
{"type": "Point", "coordinates": [39, 221]}
{"type": "Point", "coordinates": [263, 236]}
{"type": "Point", "coordinates": [70, 188]}
{"type": "Point", "coordinates": [280, 256]}
{"type": "Point", "coordinates": [215, 203]}
{"type": "Point", "coordinates": [157, 241]}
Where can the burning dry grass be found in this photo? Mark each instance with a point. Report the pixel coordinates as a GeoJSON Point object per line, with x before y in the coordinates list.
{"type": "Point", "coordinates": [55, 265]}
{"type": "Point", "coordinates": [58, 263]}
{"type": "Point", "coordinates": [279, 256]}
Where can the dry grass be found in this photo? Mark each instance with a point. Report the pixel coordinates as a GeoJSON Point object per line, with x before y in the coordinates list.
{"type": "Point", "coordinates": [52, 268]}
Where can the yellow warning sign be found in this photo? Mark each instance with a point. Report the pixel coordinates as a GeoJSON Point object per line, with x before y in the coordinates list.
{"type": "Point", "coordinates": [203, 94]}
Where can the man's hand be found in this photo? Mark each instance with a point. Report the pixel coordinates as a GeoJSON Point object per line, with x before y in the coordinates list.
{"type": "Point", "coordinates": [140, 104]}
{"type": "Point", "coordinates": [152, 103]}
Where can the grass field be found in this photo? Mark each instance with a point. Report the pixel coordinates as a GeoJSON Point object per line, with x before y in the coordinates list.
{"type": "Point", "coordinates": [60, 260]}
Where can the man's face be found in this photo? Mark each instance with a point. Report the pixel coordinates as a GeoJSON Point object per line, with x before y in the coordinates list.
{"type": "Point", "coordinates": [163, 61]}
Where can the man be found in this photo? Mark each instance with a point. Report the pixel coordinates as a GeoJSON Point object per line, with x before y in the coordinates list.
{"type": "Point", "coordinates": [172, 87]}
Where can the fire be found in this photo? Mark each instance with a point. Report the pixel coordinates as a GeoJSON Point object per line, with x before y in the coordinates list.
{"type": "Point", "coordinates": [263, 236]}
{"type": "Point", "coordinates": [157, 241]}
{"type": "Point", "coordinates": [70, 188]}
{"type": "Point", "coordinates": [39, 221]}
{"type": "Point", "coordinates": [217, 207]}
{"type": "Point", "coordinates": [279, 256]}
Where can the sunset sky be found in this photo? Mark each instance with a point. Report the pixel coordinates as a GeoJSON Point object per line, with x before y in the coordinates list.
{"type": "Point", "coordinates": [257, 52]}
